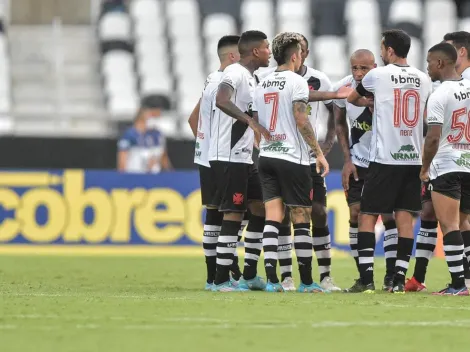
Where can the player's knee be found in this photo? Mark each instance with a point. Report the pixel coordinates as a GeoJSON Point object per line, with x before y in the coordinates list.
{"type": "Point", "coordinates": [464, 222]}
{"type": "Point", "coordinates": [354, 211]}
{"type": "Point", "coordinates": [427, 212]}
{"type": "Point", "coordinates": [257, 208]}
{"type": "Point", "coordinates": [319, 216]}
{"type": "Point", "coordinates": [233, 216]}
{"type": "Point", "coordinates": [300, 215]}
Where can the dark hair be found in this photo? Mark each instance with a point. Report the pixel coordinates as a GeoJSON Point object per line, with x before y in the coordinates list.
{"type": "Point", "coordinates": [398, 40]}
{"type": "Point", "coordinates": [447, 49]}
{"type": "Point", "coordinates": [304, 39]}
{"type": "Point", "coordinates": [459, 39]}
{"type": "Point", "coordinates": [284, 45]}
{"type": "Point", "coordinates": [249, 40]}
{"type": "Point", "coordinates": [227, 40]}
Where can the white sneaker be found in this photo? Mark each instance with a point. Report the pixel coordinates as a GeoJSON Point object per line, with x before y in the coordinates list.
{"type": "Point", "coordinates": [288, 284]}
{"type": "Point", "coordinates": [467, 283]}
{"type": "Point", "coordinates": [328, 284]}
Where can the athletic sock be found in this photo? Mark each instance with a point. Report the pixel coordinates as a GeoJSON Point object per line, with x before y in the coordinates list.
{"type": "Point", "coordinates": [390, 246]}
{"type": "Point", "coordinates": [270, 243]}
{"type": "Point", "coordinates": [365, 251]}
{"type": "Point", "coordinates": [404, 250]}
{"type": "Point", "coordinates": [226, 247]}
{"type": "Point", "coordinates": [321, 240]}
{"type": "Point", "coordinates": [212, 225]}
{"type": "Point", "coordinates": [466, 252]}
{"type": "Point", "coordinates": [453, 249]}
{"type": "Point", "coordinates": [284, 251]}
{"type": "Point", "coordinates": [253, 246]}
{"type": "Point", "coordinates": [425, 246]}
{"type": "Point", "coordinates": [303, 250]}
{"type": "Point", "coordinates": [353, 229]}
{"type": "Point", "coordinates": [234, 268]}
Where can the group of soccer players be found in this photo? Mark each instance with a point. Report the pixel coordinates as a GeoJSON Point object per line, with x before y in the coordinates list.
{"type": "Point", "coordinates": [378, 114]}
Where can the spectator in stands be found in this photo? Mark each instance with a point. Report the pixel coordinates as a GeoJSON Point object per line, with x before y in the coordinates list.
{"type": "Point", "coordinates": [142, 149]}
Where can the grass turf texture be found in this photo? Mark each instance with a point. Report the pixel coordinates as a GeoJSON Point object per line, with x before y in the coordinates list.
{"type": "Point", "coordinates": [157, 304]}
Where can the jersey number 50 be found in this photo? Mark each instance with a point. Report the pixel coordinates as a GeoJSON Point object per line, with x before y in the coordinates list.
{"type": "Point", "coordinates": [462, 127]}
{"type": "Point", "coordinates": [401, 110]}
{"type": "Point", "coordinates": [274, 98]}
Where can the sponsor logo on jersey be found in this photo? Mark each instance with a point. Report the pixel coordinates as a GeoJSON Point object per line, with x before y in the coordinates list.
{"type": "Point", "coordinates": [464, 160]}
{"type": "Point", "coordinates": [276, 83]}
{"type": "Point", "coordinates": [406, 79]}
{"type": "Point", "coordinates": [277, 147]}
{"type": "Point", "coordinates": [462, 95]}
{"type": "Point", "coordinates": [198, 152]}
{"type": "Point", "coordinates": [405, 153]}
{"type": "Point", "coordinates": [363, 126]}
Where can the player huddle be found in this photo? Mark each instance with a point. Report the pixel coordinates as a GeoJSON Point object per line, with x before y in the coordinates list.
{"type": "Point", "coordinates": [378, 114]}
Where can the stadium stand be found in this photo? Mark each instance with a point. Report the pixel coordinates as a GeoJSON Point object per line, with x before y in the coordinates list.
{"type": "Point", "coordinates": [166, 48]}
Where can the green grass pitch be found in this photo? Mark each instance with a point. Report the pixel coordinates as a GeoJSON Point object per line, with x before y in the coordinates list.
{"type": "Point", "coordinates": [57, 303]}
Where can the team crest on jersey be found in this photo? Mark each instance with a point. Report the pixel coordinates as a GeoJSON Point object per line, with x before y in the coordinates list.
{"type": "Point", "coordinates": [406, 152]}
{"type": "Point", "coordinates": [313, 83]}
{"type": "Point", "coordinates": [464, 160]}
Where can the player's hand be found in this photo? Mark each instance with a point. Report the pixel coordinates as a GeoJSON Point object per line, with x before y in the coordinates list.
{"type": "Point", "coordinates": [255, 126]}
{"type": "Point", "coordinates": [344, 91]}
{"type": "Point", "coordinates": [424, 175]}
{"type": "Point", "coordinates": [348, 169]}
{"type": "Point", "coordinates": [322, 164]}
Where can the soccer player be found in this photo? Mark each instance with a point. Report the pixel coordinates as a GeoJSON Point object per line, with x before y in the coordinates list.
{"type": "Point", "coordinates": [392, 184]}
{"type": "Point", "coordinates": [200, 121]}
{"type": "Point", "coordinates": [427, 237]}
{"type": "Point", "coordinates": [355, 145]}
{"type": "Point", "coordinates": [230, 155]}
{"type": "Point", "coordinates": [445, 159]}
{"type": "Point", "coordinates": [319, 90]}
{"type": "Point", "coordinates": [142, 149]}
{"type": "Point", "coordinates": [280, 103]}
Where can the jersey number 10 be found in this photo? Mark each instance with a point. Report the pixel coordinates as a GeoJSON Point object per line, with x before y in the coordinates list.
{"type": "Point", "coordinates": [268, 99]}
{"type": "Point", "coordinates": [401, 110]}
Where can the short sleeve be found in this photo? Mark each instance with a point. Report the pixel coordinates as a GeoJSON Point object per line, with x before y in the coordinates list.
{"type": "Point", "coordinates": [300, 91]}
{"type": "Point", "coordinates": [126, 141]}
{"type": "Point", "coordinates": [232, 77]}
{"type": "Point", "coordinates": [255, 100]}
{"type": "Point", "coordinates": [435, 113]}
{"type": "Point", "coordinates": [369, 80]}
{"type": "Point", "coordinates": [326, 86]}
{"type": "Point", "coordinates": [341, 103]}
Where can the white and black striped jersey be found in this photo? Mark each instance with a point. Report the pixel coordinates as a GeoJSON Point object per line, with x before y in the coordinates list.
{"type": "Point", "coordinates": [360, 126]}
{"type": "Point", "coordinates": [207, 106]}
{"type": "Point", "coordinates": [232, 140]}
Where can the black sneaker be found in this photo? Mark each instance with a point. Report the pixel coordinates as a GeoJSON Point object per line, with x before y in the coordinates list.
{"type": "Point", "coordinates": [359, 287]}
{"type": "Point", "coordinates": [388, 284]}
{"type": "Point", "coordinates": [399, 288]}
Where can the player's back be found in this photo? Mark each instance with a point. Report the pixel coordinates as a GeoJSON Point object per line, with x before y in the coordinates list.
{"type": "Point", "coordinates": [449, 106]}
{"type": "Point", "coordinates": [400, 94]}
{"type": "Point", "coordinates": [273, 100]}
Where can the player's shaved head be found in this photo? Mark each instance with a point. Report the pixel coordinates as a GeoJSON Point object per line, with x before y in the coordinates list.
{"type": "Point", "coordinates": [250, 40]}
{"type": "Point", "coordinates": [228, 44]}
{"type": "Point", "coordinates": [445, 52]}
{"type": "Point", "coordinates": [362, 61]}
{"type": "Point", "coordinates": [363, 54]}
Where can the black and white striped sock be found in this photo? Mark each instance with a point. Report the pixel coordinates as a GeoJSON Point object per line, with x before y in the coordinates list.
{"type": "Point", "coordinates": [321, 240]}
{"type": "Point", "coordinates": [270, 243]}
{"type": "Point", "coordinates": [390, 246]}
{"type": "Point", "coordinates": [226, 247]}
{"type": "Point", "coordinates": [466, 253]}
{"type": "Point", "coordinates": [453, 250]}
{"type": "Point", "coordinates": [303, 251]}
{"type": "Point", "coordinates": [353, 229]}
{"type": "Point", "coordinates": [425, 246]}
{"type": "Point", "coordinates": [365, 251]}
{"type": "Point", "coordinates": [235, 269]}
{"type": "Point", "coordinates": [253, 246]}
{"type": "Point", "coordinates": [404, 250]}
{"type": "Point", "coordinates": [284, 251]}
{"type": "Point", "coordinates": [212, 226]}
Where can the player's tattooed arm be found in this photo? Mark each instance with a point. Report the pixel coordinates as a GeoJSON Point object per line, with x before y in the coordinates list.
{"type": "Point", "coordinates": [306, 130]}
{"type": "Point", "coordinates": [330, 131]}
{"type": "Point", "coordinates": [342, 131]}
{"type": "Point", "coordinates": [431, 145]}
{"type": "Point", "coordinates": [194, 118]}
{"type": "Point", "coordinates": [223, 102]}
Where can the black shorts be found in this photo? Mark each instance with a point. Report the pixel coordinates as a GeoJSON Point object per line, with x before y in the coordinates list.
{"type": "Point", "coordinates": [455, 185]}
{"type": "Point", "coordinates": [354, 194]}
{"type": "Point", "coordinates": [286, 180]}
{"type": "Point", "coordinates": [426, 192]}
{"type": "Point", "coordinates": [389, 188]}
{"type": "Point", "coordinates": [237, 183]}
{"type": "Point", "coordinates": [208, 185]}
{"type": "Point", "coordinates": [318, 186]}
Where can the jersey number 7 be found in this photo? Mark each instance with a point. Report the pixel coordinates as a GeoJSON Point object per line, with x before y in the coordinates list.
{"type": "Point", "coordinates": [401, 108]}
{"type": "Point", "coordinates": [268, 99]}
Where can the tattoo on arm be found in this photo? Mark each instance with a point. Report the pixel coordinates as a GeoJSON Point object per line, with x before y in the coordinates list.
{"type": "Point", "coordinates": [342, 131]}
{"type": "Point", "coordinates": [305, 128]}
{"type": "Point", "coordinates": [224, 103]}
